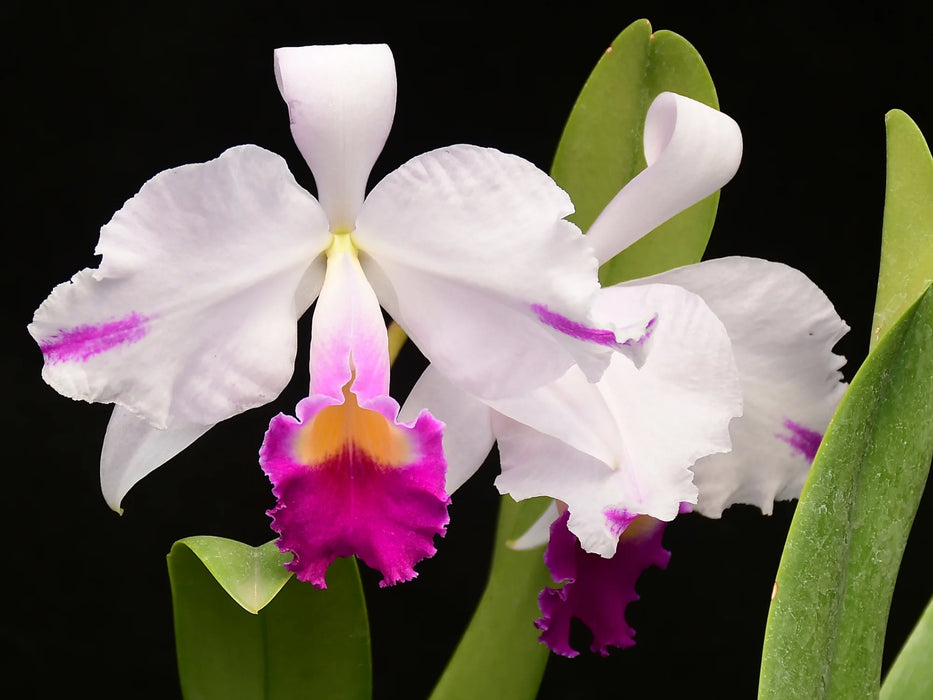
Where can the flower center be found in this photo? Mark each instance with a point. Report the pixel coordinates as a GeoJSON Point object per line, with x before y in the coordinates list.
{"type": "Point", "coordinates": [350, 428]}
{"type": "Point", "coordinates": [342, 242]}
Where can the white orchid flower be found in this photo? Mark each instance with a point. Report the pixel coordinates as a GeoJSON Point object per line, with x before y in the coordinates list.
{"type": "Point", "coordinates": [733, 337]}
{"type": "Point", "coordinates": [191, 316]}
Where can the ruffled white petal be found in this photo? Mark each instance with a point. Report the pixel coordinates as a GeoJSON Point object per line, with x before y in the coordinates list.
{"type": "Point", "coordinates": [654, 422]}
{"type": "Point", "coordinates": [468, 434]}
{"type": "Point", "coordinates": [783, 329]}
{"type": "Point", "coordinates": [133, 449]}
{"type": "Point", "coordinates": [341, 102]}
{"type": "Point", "coordinates": [540, 531]}
{"type": "Point", "coordinates": [191, 315]}
{"type": "Point", "coordinates": [462, 245]}
{"type": "Point", "coordinates": [692, 150]}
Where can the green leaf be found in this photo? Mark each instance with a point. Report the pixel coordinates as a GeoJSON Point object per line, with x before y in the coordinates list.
{"type": "Point", "coordinates": [911, 676]}
{"type": "Point", "coordinates": [499, 656]}
{"type": "Point", "coordinates": [602, 145]}
{"type": "Point", "coordinates": [826, 624]}
{"type": "Point", "coordinates": [302, 642]}
{"type": "Point", "coordinates": [907, 234]}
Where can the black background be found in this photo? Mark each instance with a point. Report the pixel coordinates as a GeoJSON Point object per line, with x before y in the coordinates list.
{"type": "Point", "coordinates": [100, 98]}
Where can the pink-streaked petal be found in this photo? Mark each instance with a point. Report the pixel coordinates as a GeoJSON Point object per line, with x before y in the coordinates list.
{"type": "Point", "coordinates": [191, 315]}
{"type": "Point", "coordinates": [468, 434]}
{"type": "Point", "coordinates": [354, 481]}
{"type": "Point", "coordinates": [341, 102]}
{"type": "Point", "coordinates": [462, 244]}
{"type": "Point", "coordinates": [783, 329]}
{"type": "Point", "coordinates": [539, 532]}
{"type": "Point", "coordinates": [692, 150]}
{"type": "Point", "coordinates": [596, 590]}
{"type": "Point", "coordinates": [624, 446]}
{"type": "Point", "coordinates": [348, 335]}
{"type": "Point", "coordinates": [133, 449]}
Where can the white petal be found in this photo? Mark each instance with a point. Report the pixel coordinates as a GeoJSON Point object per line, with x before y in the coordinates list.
{"type": "Point", "coordinates": [692, 150]}
{"type": "Point", "coordinates": [783, 329]}
{"type": "Point", "coordinates": [133, 449]}
{"type": "Point", "coordinates": [348, 334]}
{"type": "Point", "coordinates": [341, 101]}
{"type": "Point", "coordinates": [191, 314]}
{"type": "Point", "coordinates": [539, 532]}
{"type": "Point", "coordinates": [664, 416]}
{"type": "Point", "coordinates": [462, 245]}
{"type": "Point", "coordinates": [468, 434]}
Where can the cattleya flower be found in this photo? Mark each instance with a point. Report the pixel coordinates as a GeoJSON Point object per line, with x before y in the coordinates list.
{"type": "Point", "coordinates": [191, 316]}
{"type": "Point", "coordinates": [733, 337]}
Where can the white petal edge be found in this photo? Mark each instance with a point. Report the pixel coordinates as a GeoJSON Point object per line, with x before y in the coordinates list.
{"type": "Point", "coordinates": [460, 244]}
{"type": "Point", "coordinates": [341, 103]}
{"type": "Point", "coordinates": [468, 434]}
{"type": "Point", "coordinates": [539, 533]}
{"type": "Point", "coordinates": [133, 449]}
{"type": "Point", "coordinates": [783, 329]}
{"type": "Point", "coordinates": [209, 265]}
{"type": "Point", "coordinates": [691, 149]}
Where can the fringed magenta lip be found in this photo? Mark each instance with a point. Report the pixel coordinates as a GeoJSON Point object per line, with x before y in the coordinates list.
{"type": "Point", "coordinates": [353, 481]}
{"type": "Point", "coordinates": [596, 590]}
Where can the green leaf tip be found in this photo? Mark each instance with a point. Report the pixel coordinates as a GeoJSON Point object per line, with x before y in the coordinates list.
{"type": "Point", "coordinates": [906, 268]}
{"type": "Point", "coordinates": [252, 576]}
{"type": "Point", "coordinates": [601, 148]}
{"type": "Point", "coordinates": [826, 625]}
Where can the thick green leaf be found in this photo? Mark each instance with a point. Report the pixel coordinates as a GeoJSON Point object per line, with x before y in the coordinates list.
{"type": "Point", "coordinates": [302, 643]}
{"type": "Point", "coordinates": [826, 624]}
{"type": "Point", "coordinates": [499, 655]}
{"type": "Point", "coordinates": [911, 676]}
{"type": "Point", "coordinates": [907, 234]}
{"type": "Point", "coordinates": [602, 148]}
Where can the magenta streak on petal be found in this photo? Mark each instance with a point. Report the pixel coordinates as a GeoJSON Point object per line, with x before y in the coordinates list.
{"type": "Point", "coordinates": [618, 520]}
{"type": "Point", "coordinates": [83, 342]}
{"type": "Point", "coordinates": [351, 504]}
{"type": "Point", "coordinates": [596, 591]}
{"type": "Point", "coordinates": [685, 508]}
{"type": "Point", "coordinates": [573, 328]}
{"type": "Point", "coordinates": [802, 439]}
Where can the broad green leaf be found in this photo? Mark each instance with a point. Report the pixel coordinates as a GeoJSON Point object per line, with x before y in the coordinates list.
{"type": "Point", "coordinates": [302, 642]}
{"type": "Point", "coordinates": [826, 624]}
{"type": "Point", "coordinates": [907, 233]}
{"type": "Point", "coordinates": [602, 148]}
{"type": "Point", "coordinates": [499, 655]}
{"type": "Point", "coordinates": [911, 676]}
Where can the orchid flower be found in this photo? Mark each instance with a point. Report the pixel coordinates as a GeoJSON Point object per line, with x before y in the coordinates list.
{"type": "Point", "coordinates": [728, 407]}
{"type": "Point", "coordinates": [191, 316]}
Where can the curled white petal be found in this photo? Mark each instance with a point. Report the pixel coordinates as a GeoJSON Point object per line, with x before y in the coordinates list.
{"type": "Point", "coordinates": [783, 329]}
{"type": "Point", "coordinates": [341, 102]}
{"type": "Point", "coordinates": [691, 149]}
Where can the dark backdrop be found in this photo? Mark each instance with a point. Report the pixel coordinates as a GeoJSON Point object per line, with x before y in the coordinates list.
{"type": "Point", "coordinates": [100, 98]}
